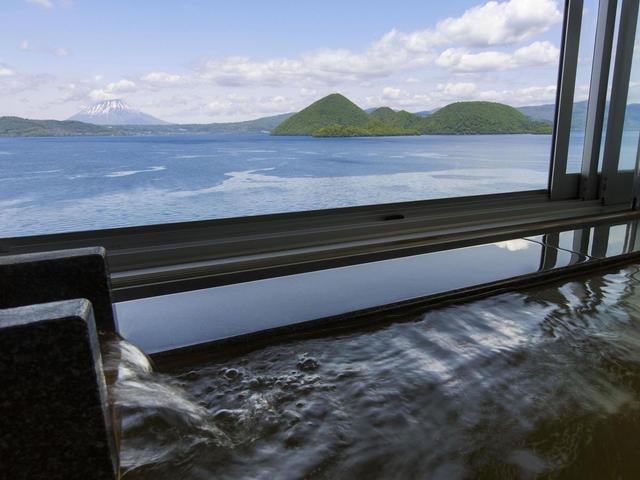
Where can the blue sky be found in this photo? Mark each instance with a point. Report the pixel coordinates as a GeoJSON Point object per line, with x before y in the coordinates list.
{"type": "Point", "coordinates": [203, 61]}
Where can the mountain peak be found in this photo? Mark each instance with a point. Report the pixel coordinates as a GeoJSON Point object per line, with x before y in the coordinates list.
{"type": "Point", "coordinates": [115, 112]}
{"type": "Point", "coordinates": [108, 106]}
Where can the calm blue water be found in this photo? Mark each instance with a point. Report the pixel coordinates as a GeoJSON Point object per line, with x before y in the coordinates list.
{"type": "Point", "coordinates": [67, 184]}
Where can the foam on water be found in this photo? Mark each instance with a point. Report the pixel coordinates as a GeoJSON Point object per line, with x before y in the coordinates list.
{"type": "Point", "coordinates": [126, 173]}
{"type": "Point", "coordinates": [365, 185]}
{"type": "Point", "coordinates": [46, 171]}
{"type": "Point", "coordinates": [14, 202]}
{"type": "Point", "coordinates": [426, 154]}
{"type": "Point", "coordinates": [153, 402]}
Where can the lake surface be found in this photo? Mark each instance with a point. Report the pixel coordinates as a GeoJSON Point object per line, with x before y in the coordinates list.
{"type": "Point", "coordinates": [52, 185]}
{"type": "Point", "coordinates": [541, 383]}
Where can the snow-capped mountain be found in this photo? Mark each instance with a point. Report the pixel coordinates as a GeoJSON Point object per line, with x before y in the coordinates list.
{"type": "Point", "coordinates": [115, 112]}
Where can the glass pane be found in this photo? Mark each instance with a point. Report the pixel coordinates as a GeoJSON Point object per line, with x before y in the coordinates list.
{"type": "Point", "coordinates": [631, 130]}
{"type": "Point", "coordinates": [583, 79]}
{"type": "Point", "coordinates": [190, 112]}
{"type": "Point", "coordinates": [611, 71]}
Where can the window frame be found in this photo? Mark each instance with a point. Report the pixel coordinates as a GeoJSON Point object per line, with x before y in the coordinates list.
{"type": "Point", "coordinates": [616, 186]}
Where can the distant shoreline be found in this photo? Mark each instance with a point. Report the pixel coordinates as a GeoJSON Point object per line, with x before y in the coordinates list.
{"type": "Point", "coordinates": [271, 136]}
{"type": "Point", "coordinates": [390, 123]}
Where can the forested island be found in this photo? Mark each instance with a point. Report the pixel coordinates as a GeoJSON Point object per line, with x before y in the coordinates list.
{"type": "Point", "coordinates": [337, 116]}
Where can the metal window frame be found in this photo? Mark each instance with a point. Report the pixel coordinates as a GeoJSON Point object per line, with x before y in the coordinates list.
{"type": "Point", "coordinates": [158, 259]}
{"type": "Point", "coordinates": [635, 201]}
{"type": "Point", "coordinates": [616, 186]}
{"type": "Point", "coordinates": [563, 185]}
{"type": "Point", "coordinates": [589, 181]}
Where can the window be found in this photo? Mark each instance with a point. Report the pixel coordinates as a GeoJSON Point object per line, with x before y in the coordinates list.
{"type": "Point", "coordinates": [176, 104]}
{"type": "Point", "coordinates": [581, 93]}
{"type": "Point", "coordinates": [631, 128]}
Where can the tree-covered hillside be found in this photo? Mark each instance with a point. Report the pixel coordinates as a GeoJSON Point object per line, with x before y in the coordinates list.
{"type": "Point", "coordinates": [21, 127]}
{"type": "Point", "coordinates": [465, 118]}
{"type": "Point", "coordinates": [401, 119]}
{"type": "Point", "coordinates": [333, 109]}
{"type": "Point", "coordinates": [373, 128]}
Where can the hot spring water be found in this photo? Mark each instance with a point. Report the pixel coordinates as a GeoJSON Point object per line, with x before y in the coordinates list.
{"type": "Point", "coordinates": [541, 382]}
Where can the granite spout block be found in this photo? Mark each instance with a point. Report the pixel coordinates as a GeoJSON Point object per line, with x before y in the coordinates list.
{"type": "Point", "coordinates": [55, 422]}
{"type": "Point", "coordinates": [60, 275]}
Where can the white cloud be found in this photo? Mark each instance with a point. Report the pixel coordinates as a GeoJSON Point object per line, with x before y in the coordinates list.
{"type": "Point", "coordinates": [5, 71]}
{"type": "Point", "coordinates": [500, 23]}
{"type": "Point", "coordinates": [234, 105]}
{"type": "Point", "coordinates": [74, 92]}
{"type": "Point", "coordinates": [60, 52]}
{"type": "Point", "coordinates": [461, 60]}
{"type": "Point", "coordinates": [50, 3]}
{"type": "Point", "coordinates": [42, 3]}
{"type": "Point", "coordinates": [392, 93]}
{"type": "Point", "coordinates": [26, 46]}
{"type": "Point", "coordinates": [460, 91]}
{"type": "Point", "coordinates": [443, 93]}
{"type": "Point", "coordinates": [113, 90]}
{"type": "Point", "coordinates": [536, 54]}
{"type": "Point", "coordinates": [398, 98]}
{"type": "Point", "coordinates": [532, 95]}
{"type": "Point", "coordinates": [328, 67]}
{"type": "Point", "coordinates": [446, 93]}
{"type": "Point", "coordinates": [164, 79]}
{"type": "Point", "coordinates": [15, 83]}
{"type": "Point", "coordinates": [491, 24]}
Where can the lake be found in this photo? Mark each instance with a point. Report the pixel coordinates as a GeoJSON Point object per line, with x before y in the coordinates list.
{"type": "Point", "coordinates": [50, 185]}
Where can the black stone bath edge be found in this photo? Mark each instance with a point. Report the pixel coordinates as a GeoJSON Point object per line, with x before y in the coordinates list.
{"type": "Point", "coordinates": [56, 419]}
{"type": "Point", "coordinates": [34, 278]}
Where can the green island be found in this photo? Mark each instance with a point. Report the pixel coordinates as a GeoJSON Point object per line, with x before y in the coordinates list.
{"type": "Point", "coordinates": [337, 116]}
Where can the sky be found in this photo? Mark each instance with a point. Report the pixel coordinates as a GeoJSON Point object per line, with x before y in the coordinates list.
{"type": "Point", "coordinates": [200, 61]}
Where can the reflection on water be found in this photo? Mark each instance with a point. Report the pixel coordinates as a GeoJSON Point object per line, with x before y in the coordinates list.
{"type": "Point", "coordinates": [542, 382]}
